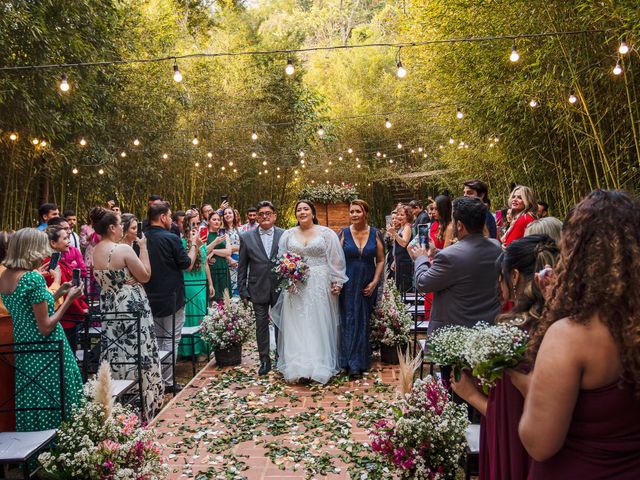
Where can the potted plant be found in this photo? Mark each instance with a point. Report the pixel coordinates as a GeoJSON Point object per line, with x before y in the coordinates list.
{"type": "Point", "coordinates": [331, 202]}
{"type": "Point", "coordinates": [390, 324]}
{"type": "Point", "coordinates": [225, 328]}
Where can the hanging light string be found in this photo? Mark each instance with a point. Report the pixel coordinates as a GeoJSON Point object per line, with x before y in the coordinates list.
{"type": "Point", "coordinates": [175, 58]}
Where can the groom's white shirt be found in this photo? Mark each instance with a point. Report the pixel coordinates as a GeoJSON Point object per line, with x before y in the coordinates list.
{"type": "Point", "coordinates": [266, 236]}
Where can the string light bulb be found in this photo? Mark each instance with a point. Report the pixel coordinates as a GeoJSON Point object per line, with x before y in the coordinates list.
{"type": "Point", "coordinates": [74, 171]}
{"type": "Point", "coordinates": [515, 56]}
{"type": "Point", "coordinates": [209, 154]}
{"type": "Point", "coordinates": [254, 136]}
{"type": "Point", "coordinates": [64, 83]}
{"type": "Point", "coordinates": [101, 171]}
{"type": "Point", "coordinates": [254, 155]}
{"type": "Point", "coordinates": [289, 69]}
{"type": "Point", "coordinates": [197, 164]}
{"type": "Point", "coordinates": [35, 141]}
{"type": "Point", "coordinates": [420, 149]}
{"type": "Point", "coordinates": [209, 165]}
{"type": "Point", "coordinates": [136, 142]}
{"type": "Point", "coordinates": [177, 76]}
{"type": "Point", "coordinates": [165, 155]}
{"type": "Point", "coordinates": [301, 153]}
{"type": "Point", "coordinates": [83, 142]}
{"type": "Point", "coordinates": [402, 72]}
{"type": "Point", "coordinates": [123, 154]}
{"type": "Point", "coordinates": [13, 137]}
{"type": "Point", "coordinates": [617, 70]}
{"type": "Point", "coordinates": [459, 114]}
{"type": "Point", "coordinates": [43, 143]}
{"type": "Point", "coordinates": [451, 141]}
{"type": "Point", "coordinates": [231, 164]}
{"type": "Point", "coordinates": [623, 48]}
{"type": "Point", "coordinates": [321, 131]}
{"type": "Point", "coordinates": [387, 122]}
{"type": "Point", "coordinates": [378, 154]}
{"type": "Point", "coordinates": [195, 140]}
{"type": "Point", "coordinates": [533, 103]}
{"type": "Point", "coordinates": [572, 98]}
{"type": "Point", "coordinates": [350, 150]}
{"type": "Point", "coordinates": [399, 146]}
{"type": "Point", "coordinates": [264, 162]}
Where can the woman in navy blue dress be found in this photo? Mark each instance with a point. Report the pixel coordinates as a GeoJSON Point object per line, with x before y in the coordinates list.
{"type": "Point", "coordinates": [364, 251]}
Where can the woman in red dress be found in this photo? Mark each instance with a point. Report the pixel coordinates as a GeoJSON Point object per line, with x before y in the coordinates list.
{"type": "Point", "coordinates": [524, 211]}
{"type": "Point", "coordinates": [581, 415]}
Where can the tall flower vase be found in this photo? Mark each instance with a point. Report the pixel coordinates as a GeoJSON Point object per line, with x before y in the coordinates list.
{"type": "Point", "coordinates": [389, 354]}
{"type": "Point", "coordinates": [229, 357]}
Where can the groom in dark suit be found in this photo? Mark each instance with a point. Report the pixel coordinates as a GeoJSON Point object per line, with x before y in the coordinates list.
{"type": "Point", "coordinates": [257, 282]}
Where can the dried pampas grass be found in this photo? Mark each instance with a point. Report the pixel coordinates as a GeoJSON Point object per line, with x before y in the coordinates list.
{"type": "Point", "coordinates": [408, 369]}
{"type": "Point", "coordinates": [102, 389]}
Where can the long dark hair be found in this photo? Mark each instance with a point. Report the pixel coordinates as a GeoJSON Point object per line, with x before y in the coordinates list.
{"type": "Point", "coordinates": [186, 228]}
{"type": "Point", "coordinates": [443, 206]}
{"type": "Point", "coordinates": [313, 210]}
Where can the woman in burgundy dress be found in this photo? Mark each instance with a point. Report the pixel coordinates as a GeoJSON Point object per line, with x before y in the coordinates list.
{"type": "Point", "coordinates": [502, 455]}
{"type": "Point", "coordinates": [581, 415]}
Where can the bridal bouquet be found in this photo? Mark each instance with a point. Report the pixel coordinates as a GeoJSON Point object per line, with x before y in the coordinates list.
{"type": "Point", "coordinates": [292, 271]}
{"type": "Point", "coordinates": [426, 436]}
{"type": "Point", "coordinates": [103, 441]}
{"type": "Point", "coordinates": [227, 324]}
{"type": "Point", "coordinates": [490, 349]}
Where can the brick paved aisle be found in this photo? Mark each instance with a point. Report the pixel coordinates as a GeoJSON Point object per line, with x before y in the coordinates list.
{"type": "Point", "coordinates": [230, 424]}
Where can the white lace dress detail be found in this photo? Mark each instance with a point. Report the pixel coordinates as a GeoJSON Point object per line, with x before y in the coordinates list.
{"type": "Point", "coordinates": [308, 320]}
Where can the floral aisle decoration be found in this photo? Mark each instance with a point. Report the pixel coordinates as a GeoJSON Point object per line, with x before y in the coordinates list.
{"type": "Point", "coordinates": [104, 441]}
{"type": "Point", "coordinates": [446, 346]}
{"type": "Point", "coordinates": [225, 328]}
{"type": "Point", "coordinates": [490, 349]}
{"type": "Point", "coordinates": [292, 272]}
{"type": "Point", "coordinates": [426, 436]}
{"type": "Point", "coordinates": [390, 322]}
{"type": "Point", "coordinates": [323, 193]}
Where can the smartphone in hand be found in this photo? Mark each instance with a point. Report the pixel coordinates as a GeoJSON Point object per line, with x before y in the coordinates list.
{"type": "Point", "coordinates": [53, 262]}
{"type": "Point", "coordinates": [75, 279]}
{"type": "Point", "coordinates": [221, 232]}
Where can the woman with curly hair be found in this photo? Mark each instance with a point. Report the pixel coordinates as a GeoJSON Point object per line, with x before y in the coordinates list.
{"type": "Point", "coordinates": [502, 455]}
{"type": "Point", "coordinates": [523, 210]}
{"type": "Point", "coordinates": [581, 415]}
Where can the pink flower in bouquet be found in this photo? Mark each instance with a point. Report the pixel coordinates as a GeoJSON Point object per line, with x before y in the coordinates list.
{"type": "Point", "coordinates": [292, 271]}
{"type": "Point", "coordinates": [110, 446]}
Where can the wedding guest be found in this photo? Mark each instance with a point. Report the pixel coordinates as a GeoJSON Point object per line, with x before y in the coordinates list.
{"type": "Point", "coordinates": [441, 231]}
{"type": "Point", "coordinates": [230, 224]}
{"type": "Point", "coordinates": [75, 314]}
{"type": "Point", "coordinates": [152, 200]}
{"type": "Point", "coordinates": [46, 212]}
{"type": "Point", "coordinates": [72, 256]}
{"type": "Point", "coordinates": [252, 220]}
{"type": "Point", "coordinates": [178, 223]}
{"type": "Point", "coordinates": [72, 220]}
{"type": "Point", "coordinates": [462, 277]}
{"type": "Point", "coordinates": [363, 248]}
{"type": "Point", "coordinates": [25, 295]}
{"type": "Point", "coordinates": [502, 455]}
{"type": "Point", "coordinates": [129, 229]}
{"type": "Point", "coordinates": [477, 188]}
{"type": "Point", "coordinates": [431, 209]}
{"type": "Point", "coordinates": [419, 214]}
{"type": "Point", "coordinates": [581, 415]}
{"type": "Point", "coordinates": [7, 374]}
{"type": "Point", "coordinates": [197, 285]}
{"type": "Point", "coordinates": [120, 274]}
{"type": "Point", "coordinates": [165, 287]}
{"type": "Point", "coordinates": [523, 210]}
{"type": "Point", "coordinates": [256, 281]}
{"type": "Point", "coordinates": [551, 226]}
{"type": "Point", "coordinates": [218, 254]}
{"type": "Point", "coordinates": [388, 241]}
{"type": "Point", "coordinates": [402, 263]}
{"type": "Point", "coordinates": [88, 240]}
{"type": "Point", "coordinates": [543, 209]}
{"type": "Point", "coordinates": [205, 213]}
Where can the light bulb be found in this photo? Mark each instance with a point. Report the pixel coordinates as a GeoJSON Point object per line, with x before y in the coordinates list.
{"type": "Point", "coordinates": [572, 99]}
{"type": "Point", "coordinates": [165, 156]}
{"type": "Point", "coordinates": [231, 164]}
{"type": "Point", "coordinates": [43, 143]}
{"type": "Point", "coordinates": [384, 155]}
{"type": "Point", "coordinates": [254, 155]}
{"type": "Point", "coordinates": [278, 168]}
{"type": "Point", "coordinates": [451, 140]}
{"type": "Point", "coordinates": [296, 172]}
{"type": "Point", "coordinates": [533, 103]}
{"type": "Point", "coordinates": [515, 56]}
{"type": "Point", "coordinates": [459, 114]}
{"type": "Point", "coordinates": [235, 170]}
{"type": "Point", "coordinates": [330, 162]}
{"type": "Point", "coordinates": [266, 171]}
{"type": "Point", "coordinates": [420, 149]}
{"type": "Point", "coordinates": [326, 170]}
{"type": "Point", "coordinates": [301, 153]}
{"type": "Point", "coordinates": [496, 139]}
{"type": "Point", "coordinates": [350, 150]}
{"type": "Point", "coordinates": [378, 154]}
{"type": "Point", "coordinates": [424, 155]}
{"type": "Point", "coordinates": [289, 70]}
{"type": "Point", "coordinates": [177, 76]}
{"type": "Point", "coordinates": [340, 158]}
{"type": "Point", "coordinates": [101, 171]}
{"type": "Point", "coordinates": [13, 137]}
{"type": "Point", "coordinates": [223, 168]}
{"type": "Point", "coordinates": [440, 146]}
{"type": "Point", "coordinates": [413, 150]}
{"type": "Point", "coordinates": [123, 154]}
{"type": "Point", "coordinates": [391, 160]}
{"type": "Point", "coordinates": [254, 136]}
{"type": "Point", "coordinates": [136, 142]}
{"type": "Point", "coordinates": [264, 162]}
{"type": "Point", "coordinates": [358, 166]}
{"type": "Point", "coordinates": [259, 173]}
{"type": "Point", "coordinates": [195, 140]}
{"type": "Point", "coordinates": [402, 72]}
{"type": "Point", "coordinates": [302, 162]}
{"type": "Point", "coordinates": [399, 146]}
{"type": "Point", "coordinates": [197, 164]}
{"type": "Point", "coordinates": [320, 131]}
{"type": "Point", "coordinates": [617, 70]}
{"type": "Point", "coordinates": [209, 154]}
{"type": "Point", "coordinates": [209, 165]}
{"type": "Point", "coordinates": [623, 48]}
{"type": "Point", "coordinates": [35, 141]}
{"type": "Point", "coordinates": [74, 171]}
{"type": "Point", "coordinates": [278, 176]}
{"type": "Point", "coordinates": [83, 142]}
{"type": "Point", "coordinates": [387, 123]}
{"type": "Point", "coordinates": [64, 84]}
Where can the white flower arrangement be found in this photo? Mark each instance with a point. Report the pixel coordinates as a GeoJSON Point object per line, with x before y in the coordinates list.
{"type": "Point", "coordinates": [227, 324]}
{"type": "Point", "coordinates": [104, 441]}
{"type": "Point", "coordinates": [390, 322]}
{"type": "Point", "coordinates": [446, 346]}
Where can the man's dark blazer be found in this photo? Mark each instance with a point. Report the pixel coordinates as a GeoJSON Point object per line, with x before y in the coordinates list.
{"type": "Point", "coordinates": [256, 279]}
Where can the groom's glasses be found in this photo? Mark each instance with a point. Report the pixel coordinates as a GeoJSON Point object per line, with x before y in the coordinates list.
{"type": "Point", "coordinates": [265, 214]}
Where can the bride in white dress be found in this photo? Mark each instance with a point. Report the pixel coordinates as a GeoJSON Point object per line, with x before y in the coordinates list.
{"type": "Point", "coordinates": [308, 320]}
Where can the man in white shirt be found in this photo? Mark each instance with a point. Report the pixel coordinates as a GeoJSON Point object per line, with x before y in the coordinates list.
{"type": "Point", "coordinates": [72, 220]}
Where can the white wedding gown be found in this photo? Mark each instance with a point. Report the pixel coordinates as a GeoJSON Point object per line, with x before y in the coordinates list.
{"type": "Point", "coordinates": [309, 319]}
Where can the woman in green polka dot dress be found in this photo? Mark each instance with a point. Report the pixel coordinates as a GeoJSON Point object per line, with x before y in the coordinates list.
{"type": "Point", "coordinates": [24, 293]}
